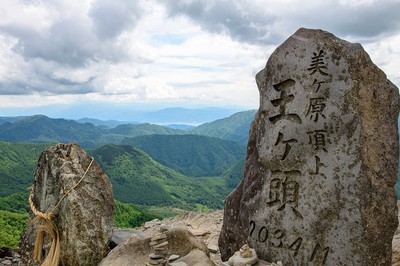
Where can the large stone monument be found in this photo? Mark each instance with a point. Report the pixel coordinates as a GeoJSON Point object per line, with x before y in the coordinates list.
{"type": "Point", "coordinates": [322, 159]}
{"type": "Point", "coordinates": [74, 193]}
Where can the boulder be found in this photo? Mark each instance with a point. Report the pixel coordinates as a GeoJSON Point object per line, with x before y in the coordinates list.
{"type": "Point", "coordinates": [84, 217]}
{"type": "Point", "coordinates": [322, 159]}
{"type": "Point", "coordinates": [158, 248]}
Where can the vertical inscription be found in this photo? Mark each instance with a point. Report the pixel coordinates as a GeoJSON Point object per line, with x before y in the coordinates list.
{"type": "Point", "coordinates": [284, 184]}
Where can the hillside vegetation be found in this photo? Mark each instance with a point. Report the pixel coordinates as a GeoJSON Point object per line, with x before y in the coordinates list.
{"type": "Point", "coordinates": [138, 179]}
{"type": "Point", "coordinates": [235, 128]}
{"type": "Point", "coordinates": [192, 155]}
{"type": "Point", "coordinates": [17, 165]}
{"type": "Point", "coordinates": [14, 217]}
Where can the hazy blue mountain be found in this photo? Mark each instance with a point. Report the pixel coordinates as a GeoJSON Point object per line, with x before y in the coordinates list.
{"type": "Point", "coordinates": [103, 123]}
{"type": "Point", "coordinates": [235, 127]}
{"type": "Point", "coordinates": [185, 116]}
{"type": "Point", "coordinates": [192, 155]}
{"type": "Point", "coordinates": [143, 129]}
{"type": "Point", "coordinates": [180, 126]}
{"type": "Point", "coordinates": [140, 113]}
{"type": "Point", "coordinates": [4, 119]}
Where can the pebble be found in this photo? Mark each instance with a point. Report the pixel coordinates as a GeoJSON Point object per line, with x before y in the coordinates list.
{"type": "Point", "coordinates": [213, 249]}
{"type": "Point", "coordinates": [163, 244]}
{"type": "Point", "coordinates": [157, 262]}
{"type": "Point", "coordinates": [156, 256]}
{"type": "Point", "coordinates": [173, 257]}
{"type": "Point", "coordinates": [6, 262]}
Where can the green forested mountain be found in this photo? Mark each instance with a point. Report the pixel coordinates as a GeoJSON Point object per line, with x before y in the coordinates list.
{"type": "Point", "coordinates": [234, 174]}
{"type": "Point", "coordinates": [236, 127]}
{"type": "Point", "coordinates": [40, 128]}
{"type": "Point", "coordinates": [138, 179]}
{"type": "Point", "coordinates": [17, 165]}
{"type": "Point", "coordinates": [192, 155]}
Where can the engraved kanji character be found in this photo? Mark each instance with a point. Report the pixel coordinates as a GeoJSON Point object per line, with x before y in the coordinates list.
{"type": "Point", "coordinates": [318, 83]}
{"type": "Point", "coordinates": [318, 139]}
{"type": "Point", "coordinates": [288, 147]}
{"type": "Point", "coordinates": [317, 63]}
{"type": "Point", "coordinates": [285, 191]}
{"type": "Point", "coordinates": [282, 101]}
{"type": "Point", "coordinates": [318, 164]}
{"type": "Point", "coordinates": [317, 105]}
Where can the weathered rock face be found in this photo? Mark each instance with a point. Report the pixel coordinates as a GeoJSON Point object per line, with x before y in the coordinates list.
{"type": "Point", "coordinates": [85, 216]}
{"type": "Point", "coordinates": [322, 159]}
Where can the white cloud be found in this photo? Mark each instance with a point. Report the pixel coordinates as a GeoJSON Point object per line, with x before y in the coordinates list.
{"type": "Point", "coordinates": [200, 51]}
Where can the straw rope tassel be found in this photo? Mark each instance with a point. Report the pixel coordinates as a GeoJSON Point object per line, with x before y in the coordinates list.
{"type": "Point", "coordinates": [46, 225]}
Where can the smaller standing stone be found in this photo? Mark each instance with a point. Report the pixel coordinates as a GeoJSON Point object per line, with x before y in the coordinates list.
{"type": "Point", "coordinates": [84, 217]}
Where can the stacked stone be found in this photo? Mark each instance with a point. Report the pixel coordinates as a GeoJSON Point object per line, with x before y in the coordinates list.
{"type": "Point", "coordinates": [245, 256]}
{"type": "Point", "coordinates": [160, 245]}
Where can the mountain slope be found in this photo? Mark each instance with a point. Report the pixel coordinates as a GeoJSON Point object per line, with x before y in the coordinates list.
{"type": "Point", "coordinates": [17, 165]}
{"type": "Point", "coordinates": [191, 155]}
{"type": "Point", "coordinates": [236, 127]}
{"type": "Point", "coordinates": [138, 179]}
{"type": "Point", "coordinates": [234, 174]}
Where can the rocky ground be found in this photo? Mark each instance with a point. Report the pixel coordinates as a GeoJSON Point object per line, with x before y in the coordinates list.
{"type": "Point", "coordinates": [205, 226]}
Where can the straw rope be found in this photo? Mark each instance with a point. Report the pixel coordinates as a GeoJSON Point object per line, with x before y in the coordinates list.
{"type": "Point", "coordinates": [48, 226]}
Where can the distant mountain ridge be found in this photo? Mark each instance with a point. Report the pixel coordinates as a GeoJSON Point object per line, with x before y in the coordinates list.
{"type": "Point", "coordinates": [40, 128]}
{"type": "Point", "coordinates": [133, 114]}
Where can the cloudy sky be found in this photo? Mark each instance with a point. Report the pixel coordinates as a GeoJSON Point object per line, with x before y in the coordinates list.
{"type": "Point", "coordinates": [160, 53]}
